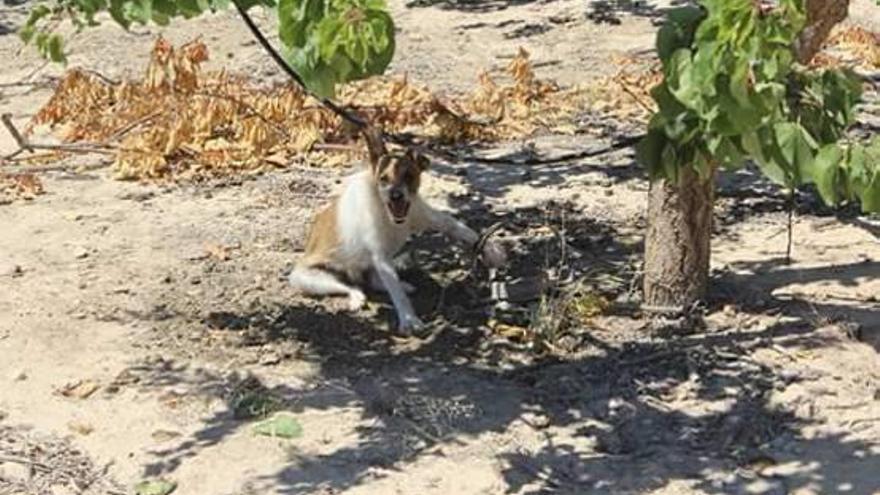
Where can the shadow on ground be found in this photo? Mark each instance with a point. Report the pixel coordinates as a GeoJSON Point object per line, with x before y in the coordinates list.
{"type": "Point", "coordinates": [472, 6]}
{"type": "Point", "coordinates": [416, 398]}
{"type": "Point", "coordinates": [609, 427]}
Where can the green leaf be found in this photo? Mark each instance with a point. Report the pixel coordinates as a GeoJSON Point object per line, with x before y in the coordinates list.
{"type": "Point", "coordinates": [155, 487]}
{"type": "Point", "coordinates": [297, 19]}
{"type": "Point", "coordinates": [335, 41]}
{"type": "Point", "coordinates": [328, 37]}
{"type": "Point", "coordinates": [726, 152]}
{"type": "Point", "coordinates": [753, 146]}
{"type": "Point", "coordinates": [27, 31]}
{"type": "Point", "coordinates": [159, 17]}
{"type": "Point", "coordinates": [56, 49]}
{"type": "Point", "coordinates": [649, 151]}
{"type": "Point", "coordinates": [279, 425]}
{"type": "Point", "coordinates": [670, 163]}
{"type": "Point", "coordinates": [795, 147]}
{"type": "Point", "coordinates": [825, 172]}
{"type": "Point", "coordinates": [678, 31]}
{"type": "Point", "coordinates": [42, 43]}
{"type": "Point", "coordinates": [863, 170]}
{"type": "Point", "coordinates": [254, 403]}
{"type": "Point", "coordinates": [682, 81]}
{"type": "Point", "coordinates": [117, 11]}
{"type": "Point", "coordinates": [189, 8]}
{"type": "Point", "coordinates": [739, 84]}
{"type": "Point", "coordinates": [138, 10]}
{"type": "Point", "coordinates": [769, 159]}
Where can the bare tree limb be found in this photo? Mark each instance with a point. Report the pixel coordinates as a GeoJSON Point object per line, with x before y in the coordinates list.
{"type": "Point", "coordinates": [25, 145]}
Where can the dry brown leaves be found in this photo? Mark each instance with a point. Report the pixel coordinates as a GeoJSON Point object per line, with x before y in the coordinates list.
{"type": "Point", "coordinates": [181, 122]}
{"type": "Point", "coordinates": [626, 95]}
{"type": "Point", "coordinates": [19, 186]}
{"type": "Point", "coordinates": [862, 46]}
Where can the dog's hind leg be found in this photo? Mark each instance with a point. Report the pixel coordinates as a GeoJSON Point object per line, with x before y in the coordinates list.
{"type": "Point", "coordinates": [375, 282]}
{"type": "Point", "coordinates": [317, 282]}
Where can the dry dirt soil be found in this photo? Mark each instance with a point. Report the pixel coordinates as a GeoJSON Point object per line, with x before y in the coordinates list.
{"type": "Point", "coordinates": [144, 329]}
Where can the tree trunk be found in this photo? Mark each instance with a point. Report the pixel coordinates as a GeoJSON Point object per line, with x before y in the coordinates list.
{"type": "Point", "coordinates": [822, 16]}
{"type": "Point", "coordinates": [677, 245]}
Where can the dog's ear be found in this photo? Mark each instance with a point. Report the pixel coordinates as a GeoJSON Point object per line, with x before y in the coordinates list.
{"type": "Point", "coordinates": [423, 162]}
{"type": "Point", "coordinates": [420, 160]}
{"type": "Point", "coordinates": [375, 145]}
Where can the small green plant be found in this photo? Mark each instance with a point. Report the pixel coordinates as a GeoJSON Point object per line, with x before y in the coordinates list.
{"type": "Point", "coordinates": [733, 91]}
{"type": "Point", "coordinates": [280, 425]}
{"type": "Point", "coordinates": [155, 487]}
{"type": "Point", "coordinates": [327, 42]}
{"type": "Point", "coordinates": [251, 399]}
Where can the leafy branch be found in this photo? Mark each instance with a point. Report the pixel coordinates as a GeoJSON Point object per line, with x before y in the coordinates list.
{"type": "Point", "coordinates": [328, 42]}
{"type": "Point", "coordinates": [733, 91]}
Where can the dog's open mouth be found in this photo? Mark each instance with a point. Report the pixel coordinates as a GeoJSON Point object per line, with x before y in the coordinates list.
{"type": "Point", "coordinates": [398, 210]}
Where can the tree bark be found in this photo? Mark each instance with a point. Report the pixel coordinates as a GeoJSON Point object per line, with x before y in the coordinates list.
{"type": "Point", "coordinates": [677, 245]}
{"type": "Point", "coordinates": [822, 16]}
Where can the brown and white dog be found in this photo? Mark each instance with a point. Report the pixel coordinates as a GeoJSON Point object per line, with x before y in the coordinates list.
{"type": "Point", "coordinates": [356, 236]}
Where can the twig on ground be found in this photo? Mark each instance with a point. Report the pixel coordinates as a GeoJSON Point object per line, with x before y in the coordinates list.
{"type": "Point", "coordinates": [335, 147]}
{"type": "Point", "coordinates": [855, 422]}
{"type": "Point", "coordinates": [25, 145]}
{"type": "Point", "coordinates": [19, 139]}
{"type": "Point", "coordinates": [25, 461]}
{"type": "Point", "coordinates": [24, 84]}
{"type": "Point", "coordinates": [634, 96]}
{"type": "Point", "coordinates": [55, 168]}
{"type": "Point", "coordinates": [781, 350]}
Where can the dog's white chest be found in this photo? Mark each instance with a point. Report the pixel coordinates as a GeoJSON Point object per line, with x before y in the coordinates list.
{"type": "Point", "coordinates": [365, 229]}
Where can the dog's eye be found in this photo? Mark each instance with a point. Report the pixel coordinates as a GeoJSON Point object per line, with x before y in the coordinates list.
{"type": "Point", "coordinates": [383, 180]}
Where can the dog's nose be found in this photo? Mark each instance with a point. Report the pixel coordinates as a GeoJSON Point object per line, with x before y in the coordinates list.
{"type": "Point", "coordinates": [396, 195]}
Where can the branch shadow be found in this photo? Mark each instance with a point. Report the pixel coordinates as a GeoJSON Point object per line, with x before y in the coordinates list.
{"type": "Point", "coordinates": [495, 180]}
{"type": "Point", "coordinates": [472, 6]}
{"type": "Point", "coordinates": [610, 11]}
{"type": "Point", "coordinates": [767, 280]}
{"type": "Point", "coordinates": [612, 418]}
{"type": "Point", "coordinates": [12, 16]}
{"type": "Point", "coordinates": [615, 402]}
{"type": "Point", "coordinates": [746, 193]}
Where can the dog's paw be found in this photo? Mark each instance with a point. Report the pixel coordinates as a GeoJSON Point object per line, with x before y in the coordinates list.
{"type": "Point", "coordinates": [356, 300]}
{"type": "Point", "coordinates": [410, 324]}
{"type": "Point", "coordinates": [494, 255]}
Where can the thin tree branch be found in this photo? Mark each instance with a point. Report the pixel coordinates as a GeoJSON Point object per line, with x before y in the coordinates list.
{"type": "Point", "coordinates": [25, 145]}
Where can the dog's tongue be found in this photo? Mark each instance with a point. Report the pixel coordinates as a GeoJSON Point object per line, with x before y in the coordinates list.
{"type": "Point", "coordinates": [398, 210]}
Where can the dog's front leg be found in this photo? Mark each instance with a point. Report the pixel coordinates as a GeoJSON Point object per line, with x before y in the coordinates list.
{"type": "Point", "coordinates": [406, 315]}
{"type": "Point", "coordinates": [493, 253]}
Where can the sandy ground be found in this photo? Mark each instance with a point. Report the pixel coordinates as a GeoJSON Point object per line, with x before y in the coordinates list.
{"type": "Point", "coordinates": [112, 285]}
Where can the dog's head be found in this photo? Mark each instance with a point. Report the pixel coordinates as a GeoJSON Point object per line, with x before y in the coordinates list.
{"type": "Point", "coordinates": [397, 175]}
